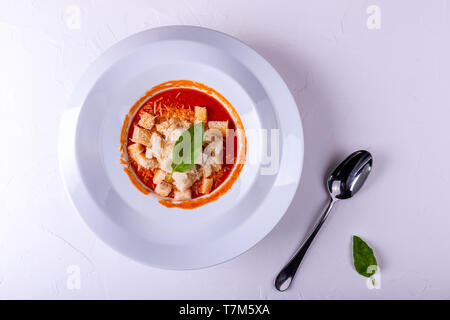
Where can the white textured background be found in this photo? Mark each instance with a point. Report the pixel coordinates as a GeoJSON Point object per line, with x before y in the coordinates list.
{"type": "Point", "coordinates": [386, 90]}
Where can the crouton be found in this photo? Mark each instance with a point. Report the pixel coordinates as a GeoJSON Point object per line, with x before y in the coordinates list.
{"type": "Point", "coordinates": [174, 134]}
{"type": "Point", "coordinates": [141, 135]}
{"type": "Point", "coordinates": [166, 164]}
{"type": "Point", "coordinates": [207, 170]}
{"type": "Point", "coordinates": [135, 150]}
{"type": "Point", "coordinates": [212, 135]}
{"type": "Point", "coordinates": [222, 126]}
{"type": "Point", "coordinates": [213, 153]}
{"type": "Point", "coordinates": [206, 185]}
{"type": "Point", "coordinates": [159, 176]}
{"type": "Point", "coordinates": [136, 153]}
{"type": "Point", "coordinates": [163, 189]}
{"type": "Point", "coordinates": [182, 195]}
{"type": "Point", "coordinates": [183, 180]}
{"type": "Point", "coordinates": [201, 114]}
{"type": "Point", "coordinates": [156, 145]}
{"type": "Point", "coordinates": [147, 120]}
{"type": "Point", "coordinates": [163, 126]}
{"type": "Point", "coordinates": [147, 163]}
{"type": "Point", "coordinates": [172, 130]}
{"type": "Point", "coordinates": [149, 153]}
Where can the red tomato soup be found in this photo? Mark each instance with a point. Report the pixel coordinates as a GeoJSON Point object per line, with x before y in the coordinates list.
{"type": "Point", "coordinates": [158, 124]}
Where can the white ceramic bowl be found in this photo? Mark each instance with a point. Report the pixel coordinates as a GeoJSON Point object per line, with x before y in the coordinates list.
{"type": "Point", "coordinates": [137, 225]}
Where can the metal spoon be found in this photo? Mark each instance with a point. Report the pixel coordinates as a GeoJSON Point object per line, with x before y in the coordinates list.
{"type": "Point", "coordinates": [343, 183]}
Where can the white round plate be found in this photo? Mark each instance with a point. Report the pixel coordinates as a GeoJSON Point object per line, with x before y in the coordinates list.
{"type": "Point", "coordinates": [137, 225]}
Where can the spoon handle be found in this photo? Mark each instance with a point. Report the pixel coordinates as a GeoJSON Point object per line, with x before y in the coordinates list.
{"type": "Point", "coordinates": [284, 278]}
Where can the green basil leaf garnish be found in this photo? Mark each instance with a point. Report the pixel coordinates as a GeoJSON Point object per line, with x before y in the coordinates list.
{"type": "Point", "coordinates": [187, 148]}
{"type": "Point", "coordinates": [363, 258]}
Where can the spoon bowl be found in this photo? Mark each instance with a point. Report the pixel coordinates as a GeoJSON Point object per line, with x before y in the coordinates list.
{"type": "Point", "coordinates": [350, 175]}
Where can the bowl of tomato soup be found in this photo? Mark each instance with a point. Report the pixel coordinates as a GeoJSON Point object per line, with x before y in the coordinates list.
{"type": "Point", "coordinates": [153, 127]}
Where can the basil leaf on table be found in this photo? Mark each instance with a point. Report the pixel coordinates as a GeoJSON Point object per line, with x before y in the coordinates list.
{"type": "Point", "coordinates": [190, 141]}
{"type": "Point", "coordinates": [363, 258]}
